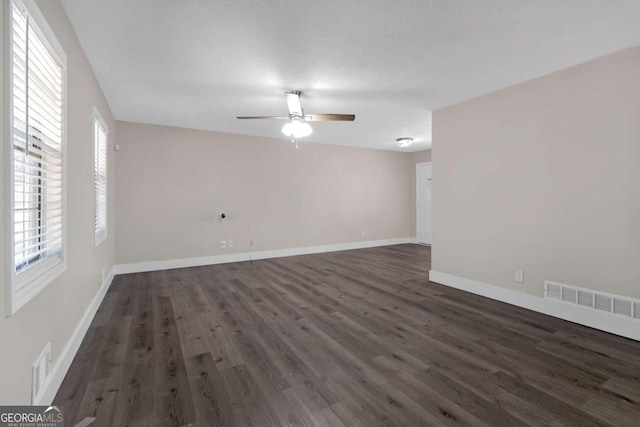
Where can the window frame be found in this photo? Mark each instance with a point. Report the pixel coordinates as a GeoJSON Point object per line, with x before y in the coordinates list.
{"type": "Point", "coordinates": [100, 236]}
{"type": "Point", "coordinates": [21, 288]}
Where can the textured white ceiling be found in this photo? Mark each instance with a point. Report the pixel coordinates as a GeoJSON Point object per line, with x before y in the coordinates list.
{"type": "Point", "coordinates": [199, 64]}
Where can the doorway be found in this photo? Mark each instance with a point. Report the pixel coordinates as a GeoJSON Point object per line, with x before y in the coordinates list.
{"type": "Point", "coordinates": [423, 203]}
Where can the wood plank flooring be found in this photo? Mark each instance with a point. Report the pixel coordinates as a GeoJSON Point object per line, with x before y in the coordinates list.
{"type": "Point", "coordinates": [354, 338]}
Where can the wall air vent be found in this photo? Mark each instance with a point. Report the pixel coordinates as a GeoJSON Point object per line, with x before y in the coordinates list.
{"type": "Point", "coordinates": [601, 301]}
{"type": "Point", "coordinates": [553, 291]}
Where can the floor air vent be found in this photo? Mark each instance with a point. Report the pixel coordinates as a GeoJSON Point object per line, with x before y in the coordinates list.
{"type": "Point", "coordinates": [614, 304]}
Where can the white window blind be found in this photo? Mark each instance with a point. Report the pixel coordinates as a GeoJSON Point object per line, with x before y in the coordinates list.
{"type": "Point", "coordinates": [100, 178]}
{"type": "Point", "coordinates": [37, 79]}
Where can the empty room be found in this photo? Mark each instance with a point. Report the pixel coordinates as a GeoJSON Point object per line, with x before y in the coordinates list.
{"type": "Point", "coordinates": [334, 213]}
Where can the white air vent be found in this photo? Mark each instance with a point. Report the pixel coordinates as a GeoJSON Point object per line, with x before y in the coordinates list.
{"type": "Point", "coordinates": [603, 302]}
{"type": "Point", "coordinates": [623, 307]}
{"type": "Point", "coordinates": [569, 294]}
{"type": "Point", "coordinates": [40, 374]}
{"type": "Point", "coordinates": [610, 303]}
{"type": "Point", "coordinates": [553, 291]}
{"type": "Point", "coordinates": [585, 298]}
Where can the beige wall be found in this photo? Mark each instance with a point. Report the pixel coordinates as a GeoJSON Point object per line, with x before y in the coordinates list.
{"type": "Point", "coordinates": [544, 177]}
{"type": "Point", "coordinates": [420, 157]}
{"type": "Point", "coordinates": [54, 314]}
{"type": "Point", "coordinates": [173, 183]}
{"type": "Point", "coordinates": [417, 157]}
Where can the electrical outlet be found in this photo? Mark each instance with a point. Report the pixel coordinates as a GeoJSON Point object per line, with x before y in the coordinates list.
{"type": "Point", "coordinates": [223, 244]}
{"type": "Point", "coordinates": [230, 244]}
{"type": "Point", "coordinates": [519, 276]}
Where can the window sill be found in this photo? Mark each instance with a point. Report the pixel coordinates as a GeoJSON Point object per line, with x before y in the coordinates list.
{"type": "Point", "coordinates": [99, 238]}
{"type": "Point", "coordinates": [27, 285]}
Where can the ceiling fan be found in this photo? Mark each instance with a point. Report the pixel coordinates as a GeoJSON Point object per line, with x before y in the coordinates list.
{"type": "Point", "coordinates": [298, 126]}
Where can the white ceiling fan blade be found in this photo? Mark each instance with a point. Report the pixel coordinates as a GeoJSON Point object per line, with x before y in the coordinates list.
{"type": "Point", "coordinates": [293, 102]}
{"type": "Point", "coordinates": [263, 117]}
{"type": "Point", "coordinates": [330, 117]}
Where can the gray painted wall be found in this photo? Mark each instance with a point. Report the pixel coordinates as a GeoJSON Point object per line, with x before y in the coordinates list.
{"type": "Point", "coordinates": [55, 312]}
{"type": "Point", "coordinates": [173, 182]}
{"type": "Point", "coordinates": [545, 177]}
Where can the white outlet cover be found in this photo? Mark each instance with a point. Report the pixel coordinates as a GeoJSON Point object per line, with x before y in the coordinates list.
{"type": "Point", "coordinates": [519, 276]}
{"type": "Point", "coordinates": [230, 243]}
{"type": "Point", "coordinates": [223, 243]}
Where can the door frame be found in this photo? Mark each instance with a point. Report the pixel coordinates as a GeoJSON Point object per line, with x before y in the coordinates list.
{"type": "Point", "coordinates": [418, 165]}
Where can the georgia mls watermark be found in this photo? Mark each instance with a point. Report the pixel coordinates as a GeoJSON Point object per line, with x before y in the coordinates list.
{"type": "Point", "coordinates": [31, 416]}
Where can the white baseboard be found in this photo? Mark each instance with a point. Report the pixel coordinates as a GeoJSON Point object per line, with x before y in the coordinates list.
{"type": "Point", "coordinates": [605, 322]}
{"type": "Point", "coordinates": [140, 267]}
{"type": "Point", "coordinates": [50, 388]}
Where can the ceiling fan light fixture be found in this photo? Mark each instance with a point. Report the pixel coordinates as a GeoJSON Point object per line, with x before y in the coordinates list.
{"type": "Point", "coordinates": [297, 128]}
{"type": "Point", "coordinates": [404, 142]}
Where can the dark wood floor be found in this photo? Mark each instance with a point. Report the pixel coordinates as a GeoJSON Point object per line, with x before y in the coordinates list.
{"type": "Point", "coordinates": [357, 338]}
